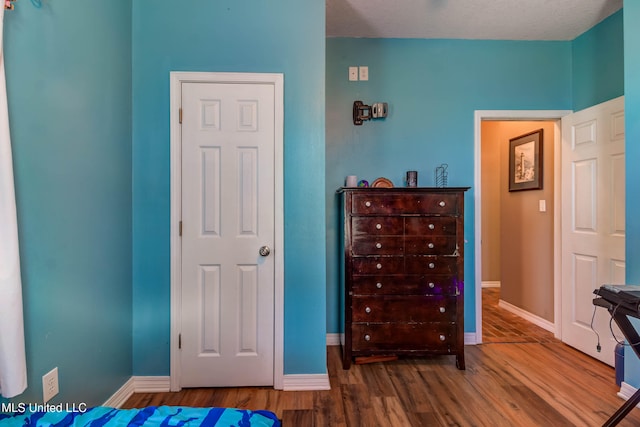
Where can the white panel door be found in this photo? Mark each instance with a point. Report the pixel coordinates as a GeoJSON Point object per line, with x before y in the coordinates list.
{"type": "Point", "coordinates": [227, 336]}
{"type": "Point", "coordinates": [593, 222]}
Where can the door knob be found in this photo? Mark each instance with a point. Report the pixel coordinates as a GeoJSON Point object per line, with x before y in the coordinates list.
{"type": "Point", "coordinates": [264, 251]}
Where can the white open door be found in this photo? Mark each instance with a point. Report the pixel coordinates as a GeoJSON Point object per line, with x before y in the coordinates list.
{"type": "Point", "coordinates": [593, 222]}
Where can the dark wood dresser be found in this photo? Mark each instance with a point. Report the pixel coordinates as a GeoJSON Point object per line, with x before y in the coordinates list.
{"type": "Point", "coordinates": [403, 272]}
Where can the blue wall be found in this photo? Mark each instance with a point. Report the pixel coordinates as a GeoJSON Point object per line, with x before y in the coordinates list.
{"type": "Point", "coordinates": [68, 69]}
{"type": "Point", "coordinates": [433, 88]}
{"type": "Point", "coordinates": [632, 139]}
{"type": "Point", "coordinates": [598, 63]}
{"type": "Point", "coordinates": [281, 36]}
{"type": "Point", "coordinates": [91, 251]}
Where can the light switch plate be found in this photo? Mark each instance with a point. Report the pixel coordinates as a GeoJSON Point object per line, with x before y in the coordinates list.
{"type": "Point", "coordinates": [542, 205]}
{"type": "Point", "coordinates": [364, 73]}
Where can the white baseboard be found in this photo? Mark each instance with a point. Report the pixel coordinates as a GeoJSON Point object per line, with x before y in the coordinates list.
{"type": "Point", "coordinates": [626, 391]}
{"type": "Point", "coordinates": [152, 384]}
{"type": "Point", "coordinates": [121, 395]}
{"type": "Point", "coordinates": [140, 384]}
{"type": "Point", "coordinates": [335, 339]}
{"type": "Point", "coordinates": [470, 338]}
{"type": "Point", "coordinates": [539, 321]}
{"type": "Point", "coordinates": [137, 385]}
{"type": "Point", "coordinates": [490, 284]}
{"type": "Point", "coordinates": [300, 382]}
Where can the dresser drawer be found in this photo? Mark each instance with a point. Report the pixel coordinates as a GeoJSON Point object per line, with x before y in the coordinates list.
{"type": "Point", "coordinates": [378, 225]}
{"type": "Point", "coordinates": [405, 285]}
{"type": "Point", "coordinates": [430, 245]}
{"type": "Point", "coordinates": [431, 264]}
{"type": "Point", "coordinates": [380, 245]}
{"type": "Point", "coordinates": [396, 337]}
{"type": "Point", "coordinates": [378, 265]}
{"type": "Point", "coordinates": [430, 226]}
{"type": "Point", "coordinates": [392, 308]}
{"type": "Point", "coordinates": [398, 203]}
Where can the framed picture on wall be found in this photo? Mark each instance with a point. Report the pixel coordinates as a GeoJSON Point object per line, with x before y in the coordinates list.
{"type": "Point", "coordinates": [525, 162]}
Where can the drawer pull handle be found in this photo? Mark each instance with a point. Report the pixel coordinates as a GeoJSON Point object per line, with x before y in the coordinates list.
{"type": "Point", "coordinates": [367, 310]}
{"type": "Point", "coordinates": [432, 227]}
{"type": "Point", "coordinates": [442, 203]}
{"type": "Point", "coordinates": [379, 285]}
{"type": "Point", "coordinates": [432, 265]}
{"type": "Point", "coordinates": [378, 226]}
{"type": "Point", "coordinates": [379, 266]}
{"type": "Point", "coordinates": [367, 204]}
{"type": "Point", "coordinates": [379, 245]}
{"type": "Point", "coordinates": [367, 337]}
{"type": "Point", "coordinates": [432, 285]}
{"type": "Point", "coordinates": [431, 245]}
{"type": "Point", "coordinates": [442, 309]}
{"type": "Point", "coordinates": [442, 337]}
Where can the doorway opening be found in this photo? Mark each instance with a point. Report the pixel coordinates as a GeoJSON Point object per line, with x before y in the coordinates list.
{"type": "Point", "coordinates": [487, 206]}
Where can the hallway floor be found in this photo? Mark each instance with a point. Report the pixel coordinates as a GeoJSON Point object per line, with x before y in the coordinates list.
{"type": "Point", "coordinates": [502, 326]}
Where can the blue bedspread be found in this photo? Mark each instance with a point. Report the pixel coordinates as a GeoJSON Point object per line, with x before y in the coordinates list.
{"type": "Point", "coordinates": [164, 416]}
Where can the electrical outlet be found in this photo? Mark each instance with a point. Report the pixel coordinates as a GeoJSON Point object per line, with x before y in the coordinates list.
{"type": "Point", "coordinates": [353, 74]}
{"type": "Point", "coordinates": [50, 385]}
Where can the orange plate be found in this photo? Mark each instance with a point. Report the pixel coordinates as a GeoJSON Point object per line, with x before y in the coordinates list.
{"type": "Point", "coordinates": [382, 182]}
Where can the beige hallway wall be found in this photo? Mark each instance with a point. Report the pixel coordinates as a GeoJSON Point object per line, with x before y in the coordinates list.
{"type": "Point", "coordinates": [517, 239]}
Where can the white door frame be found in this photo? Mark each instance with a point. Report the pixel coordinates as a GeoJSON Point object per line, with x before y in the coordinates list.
{"type": "Point", "coordinates": [479, 116]}
{"type": "Point", "coordinates": [277, 80]}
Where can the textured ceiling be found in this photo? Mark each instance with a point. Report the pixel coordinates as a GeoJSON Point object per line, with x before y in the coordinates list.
{"type": "Point", "coordinates": [466, 19]}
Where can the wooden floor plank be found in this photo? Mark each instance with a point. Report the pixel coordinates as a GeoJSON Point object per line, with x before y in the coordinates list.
{"type": "Point", "coordinates": [504, 384]}
{"type": "Point", "coordinates": [410, 389]}
{"type": "Point", "coordinates": [455, 403]}
{"type": "Point", "coordinates": [389, 411]}
{"type": "Point", "coordinates": [521, 376]}
{"type": "Point", "coordinates": [502, 326]}
{"type": "Point", "coordinates": [296, 417]}
{"type": "Point", "coordinates": [329, 407]}
{"type": "Point", "coordinates": [560, 394]}
{"type": "Point", "coordinates": [358, 409]}
{"type": "Point", "coordinates": [377, 380]}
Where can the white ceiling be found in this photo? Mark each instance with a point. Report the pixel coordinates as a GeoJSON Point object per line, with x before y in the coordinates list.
{"type": "Point", "coordinates": [466, 19]}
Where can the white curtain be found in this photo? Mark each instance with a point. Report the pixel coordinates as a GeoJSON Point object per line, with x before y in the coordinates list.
{"type": "Point", "coordinates": [13, 369]}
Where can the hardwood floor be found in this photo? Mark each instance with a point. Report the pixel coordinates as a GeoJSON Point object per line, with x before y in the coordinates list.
{"type": "Point", "coordinates": [541, 382]}
{"type": "Point", "coordinates": [523, 384]}
{"type": "Point", "coordinates": [502, 326]}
